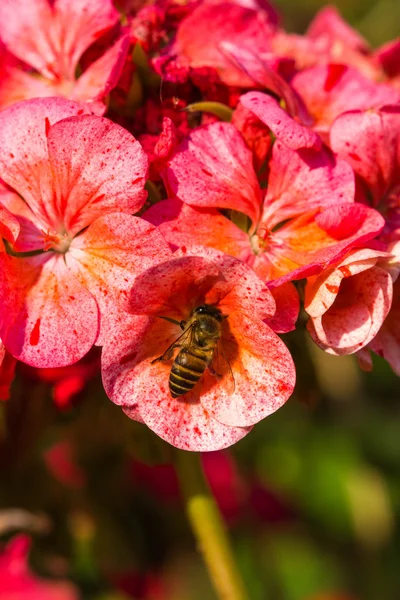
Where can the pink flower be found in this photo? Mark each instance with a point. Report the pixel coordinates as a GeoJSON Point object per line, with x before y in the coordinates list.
{"type": "Point", "coordinates": [7, 372]}
{"type": "Point", "coordinates": [212, 415]}
{"type": "Point", "coordinates": [73, 179]}
{"type": "Point", "coordinates": [349, 302]}
{"type": "Point", "coordinates": [370, 142]}
{"type": "Point", "coordinates": [288, 131]}
{"type": "Point", "coordinates": [200, 41]}
{"type": "Point", "coordinates": [387, 341]}
{"type": "Point", "coordinates": [17, 581]}
{"type": "Point", "coordinates": [48, 39]}
{"type": "Point", "coordinates": [329, 39]}
{"type": "Point", "coordinates": [330, 90]}
{"type": "Point", "coordinates": [307, 221]}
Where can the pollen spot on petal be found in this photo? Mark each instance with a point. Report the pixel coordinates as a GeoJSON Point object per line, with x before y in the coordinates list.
{"type": "Point", "coordinates": [35, 333]}
{"type": "Point", "coordinates": [134, 181]}
{"type": "Point", "coordinates": [345, 271]}
{"type": "Point", "coordinates": [47, 126]}
{"type": "Point", "coordinates": [354, 156]}
{"type": "Point", "coordinates": [197, 430]}
{"type": "Point", "coordinates": [332, 288]}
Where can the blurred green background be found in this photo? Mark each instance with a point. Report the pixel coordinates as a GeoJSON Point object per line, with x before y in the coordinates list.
{"type": "Point", "coordinates": [311, 495]}
{"type": "Point", "coordinates": [377, 21]}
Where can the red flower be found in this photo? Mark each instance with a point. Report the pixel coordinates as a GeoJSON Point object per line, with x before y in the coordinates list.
{"type": "Point", "coordinates": [308, 219]}
{"type": "Point", "coordinates": [50, 39]}
{"type": "Point", "coordinates": [17, 581]}
{"type": "Point", "coordinates": [74, 179]}
{"type": "Point", "coordinates": [349, 302]}
{"type": "Point", "coordinates": [212, 415]}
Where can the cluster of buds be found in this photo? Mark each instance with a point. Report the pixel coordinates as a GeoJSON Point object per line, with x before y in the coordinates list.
{"type": "Point", "coordinates": [176, 183]}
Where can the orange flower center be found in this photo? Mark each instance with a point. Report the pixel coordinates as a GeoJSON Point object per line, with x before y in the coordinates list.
{"type": "Point", "coordinates": [59, 242]}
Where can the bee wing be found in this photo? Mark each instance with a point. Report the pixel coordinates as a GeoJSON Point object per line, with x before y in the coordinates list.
{"type": "Point", "coordinates": [221, 369]}
{"type": "Point", "coordinates": [182, 341]}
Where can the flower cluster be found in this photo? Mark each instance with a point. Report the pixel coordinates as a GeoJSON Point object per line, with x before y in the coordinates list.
{"type": "Point", "coordinates": [240, 172]}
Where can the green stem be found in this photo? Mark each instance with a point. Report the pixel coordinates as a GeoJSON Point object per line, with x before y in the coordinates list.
{"type": "Point", "coordinates": [209, 529]}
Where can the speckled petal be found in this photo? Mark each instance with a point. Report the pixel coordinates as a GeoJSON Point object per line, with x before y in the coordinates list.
{"type": "Point", "coordinates": [98, 167]}
{"type": "Point", "coordinates": [108, 257]}
{"type": "Point", "coordinates": [48, 319]}
{"type": "Point", "coordinates": [132, 381]}
{"type": "Point", "coordinates": [291, 133]}
{"type": "Point", "coordinates": [213, 168]}
{"type": "Point", "coordinates": [102, 76]}
{"type": "Point", "coordinates": [370, 142]}
{"type": "Point", "coordinates": [356, 316]}
{"type": "Point", "coordinates": [24, 164]}
{"type": "Point", "coordinates": [301, 181]}
{"type": "Point", "coordinates": [263, 370]}
{"type": "Point", "coordinates": [184, 225]}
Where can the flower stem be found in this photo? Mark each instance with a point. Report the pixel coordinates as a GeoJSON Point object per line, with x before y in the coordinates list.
{"type": "Point", "coordinates": [209, 529]}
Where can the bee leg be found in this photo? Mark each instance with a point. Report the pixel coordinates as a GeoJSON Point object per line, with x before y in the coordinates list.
{"type": "Point", "coordinates": [166, 356]}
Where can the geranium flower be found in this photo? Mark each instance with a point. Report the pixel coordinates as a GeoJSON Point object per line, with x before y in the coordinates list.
{"type": "Point", "coordinates": [370, 142]}
{"type": "Point", "coordinates": [328, 39]}
{"type": "Point", "coordinates": [349, 302]}
{"type": "Point", "coordinates": [17, 580]}
{"type": "Point", "coordinates": [72, 179]}
{"type": "Point", "coordinates": [45, 42]}
{"type": "Point", "coordinates": [387, 341]}
{"type": "Point", "coordinates": [199, 44]}
{"type": "Point", "coordinates": [307, 221]}
{"type": "Point", "coordinates": [330, 90]}
{"type": "Point", "coordinates": [210, 416]}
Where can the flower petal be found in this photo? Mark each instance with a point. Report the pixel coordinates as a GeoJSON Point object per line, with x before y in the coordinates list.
{"type": "Point", "coordinates": [182, 225]}
{"type": "Point", "coordinates": [132, 381]}
{"type": "Point", "coordinates": [370, 142]}
{"type": "Point", "coordinates": [263, 369]}
{"type": "Point", "coordinates": [287, 308]}
{"type": "Point", "coordinates": [9, 224]}
{"type": "Point", "coordinates": [301, 181]}
{"type": "Point", "coordinates": [387, 341]}
{"type": "Point", "coordinates": [213, 168]}
{"type": "Point", "coordinates": [285, 128]}
{"type": "Point", "coordinates": [108, 257]}
{"type": "Point", "coordinates": [174, 287]}
{"type": "Point", "coordinates": [48, 319]}
{"type": "Point", "coordinates": [80, 23]}
{"type": "Point", "coordinates": [201, 35]}
{"type": "Point", "coordinates": [102, 75]}
{"type": "Point", "coordinates": [357, 314]}
{"type": "Point", "coordinates": [97, 167]}
{"type": "Point", "coordinates": [24, 164]}
{"type": "Point", "coordinates": [242, 289]}
{"type": "Point", "coordinates": [26, 30]}
{"type": "Point", "coordinates": [331, 90]}
{"type": "Point", "coordinates": [310, 243]}
{"type": "Point", "coordinates": [321, 291]}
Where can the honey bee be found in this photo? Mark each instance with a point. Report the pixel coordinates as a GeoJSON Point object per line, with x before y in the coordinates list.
{"type": "Point", "coordinates": [200, 349]}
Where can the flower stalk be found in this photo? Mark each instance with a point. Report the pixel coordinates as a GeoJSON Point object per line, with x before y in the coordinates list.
{"type": "Point", "coordinates": [208, 528]}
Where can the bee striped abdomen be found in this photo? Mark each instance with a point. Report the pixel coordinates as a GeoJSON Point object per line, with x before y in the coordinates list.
{"type": "Point", "coordinates": [188, 366]}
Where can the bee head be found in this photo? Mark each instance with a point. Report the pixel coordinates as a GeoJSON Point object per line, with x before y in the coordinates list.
{"type": "Point", "coordinates": [208, 309]}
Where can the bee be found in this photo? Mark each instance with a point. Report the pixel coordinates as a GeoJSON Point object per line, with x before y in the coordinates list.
{"type": "Point", "coordinates": [199, 349]}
